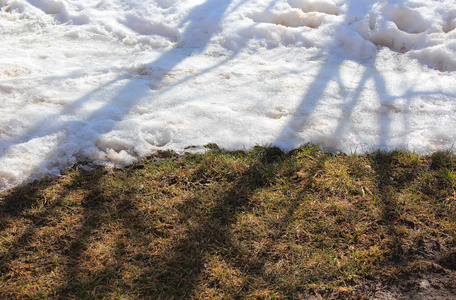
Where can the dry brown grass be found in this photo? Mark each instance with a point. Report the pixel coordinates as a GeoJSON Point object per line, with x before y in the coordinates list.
{"type": "Point", "coordinates": [234, 225]}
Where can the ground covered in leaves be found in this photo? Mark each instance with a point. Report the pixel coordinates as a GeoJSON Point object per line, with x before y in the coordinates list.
{"type": "Point", "coordinates": [236, 225]}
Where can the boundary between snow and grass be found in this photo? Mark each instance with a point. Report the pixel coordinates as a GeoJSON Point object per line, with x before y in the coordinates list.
{"type": "Point", "coordinates": [220, 224]}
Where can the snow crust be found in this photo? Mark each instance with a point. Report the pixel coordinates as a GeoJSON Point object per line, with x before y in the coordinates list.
{"type": "Point", "coordinates": [108, 82]}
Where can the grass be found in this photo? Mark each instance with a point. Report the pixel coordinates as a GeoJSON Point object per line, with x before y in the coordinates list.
{"type": "Point", "coordinates": [232, 225]}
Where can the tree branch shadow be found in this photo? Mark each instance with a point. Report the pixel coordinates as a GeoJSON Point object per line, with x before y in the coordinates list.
{"type": "Point", "coordinates": [105, 118]}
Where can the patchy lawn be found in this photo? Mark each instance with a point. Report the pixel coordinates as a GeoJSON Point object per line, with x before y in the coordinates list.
{"type": "Point", "coordinates": [233, 225]}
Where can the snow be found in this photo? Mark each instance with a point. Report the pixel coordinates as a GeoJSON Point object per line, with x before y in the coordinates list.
{"type": "Point", "coordinates": [108, 82]}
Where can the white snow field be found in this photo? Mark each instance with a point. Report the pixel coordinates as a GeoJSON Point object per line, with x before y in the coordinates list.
{"type": "Point", "coordinates": [111, 81]}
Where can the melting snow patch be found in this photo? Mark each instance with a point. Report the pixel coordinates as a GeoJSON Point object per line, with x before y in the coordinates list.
{"type": "Point", "coordinates": [108, 82]}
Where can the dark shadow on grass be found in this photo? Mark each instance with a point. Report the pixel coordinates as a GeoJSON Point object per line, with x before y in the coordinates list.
{"type": "Point", "coordinates": [99, 211]}
{"type": "Point", "coordinates": [410, 257]}
{"type": "Point", "coordinates": [116, 212]}
{"type": "Point", "coordinates": [15, 212]}
{"type": "Point", "coordinates": [397, 184]}
{"type": "Point", "coordinates": [11, 208]}
{"type": "Point", "coordinates": [77, 240]}
{"type": "Point", "coordinates": [176, 273]}
{"type": "Point", "coordinates": [389, 187]}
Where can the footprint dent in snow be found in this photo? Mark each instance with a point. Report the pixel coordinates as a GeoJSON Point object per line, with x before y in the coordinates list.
{"type": "Point", "coordinates": [322, 6]}
{"type": "Point", "coordinates": [297, 19]}
{"type": "Point", "coordinates": [406, 19]}
{"type": "Point", "coordinates": [165, 3]}
{"type": "Point", "coordinates": [294, 18]}
{"type": "Point", "coordinates": [449, 26]}
{"type": "Point", "coordinates": [450, 21]}
{"type": "Point", "coordinates": [398, 28]}
{"type": "Point", "coordinates": [6, 89]}
{"type": "Point", "coordinates": [49, 7]}
{"type": "Point", "coordinates": [303, 13]}
{"type": "Point", "coordinates": [145, 27]}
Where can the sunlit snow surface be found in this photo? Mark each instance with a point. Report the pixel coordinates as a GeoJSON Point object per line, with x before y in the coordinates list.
{"type": "Point", "coordinates": [111, 81]}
